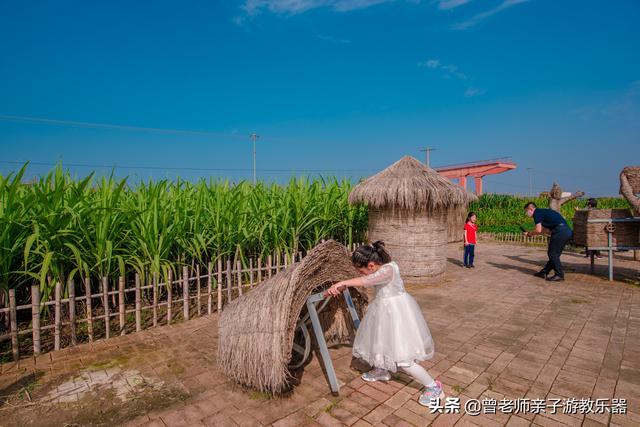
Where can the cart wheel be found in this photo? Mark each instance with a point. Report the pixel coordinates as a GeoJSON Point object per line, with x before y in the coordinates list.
{"type": "Point", "coordinates": [610, 228]}
{"type": "Point", "coordinates": [301, 346]}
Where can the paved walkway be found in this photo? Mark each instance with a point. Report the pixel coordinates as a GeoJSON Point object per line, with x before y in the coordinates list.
{"type": "Point", "coordinates": [500, 333]}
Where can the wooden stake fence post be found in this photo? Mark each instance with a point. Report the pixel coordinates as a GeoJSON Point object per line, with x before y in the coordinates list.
{"type": "Point", "coordinates": [185, 292]}
{"type": "Point", "coordinates": [138, 304]}
{"type": "Point", "coordinates": [198, 285]}
{"type": "Point", "coordinates": [219, 285]}
{"type": "Point", "coordinates": [250, 273]}
{"type": "Point", "coordinates": [105, 300]}
{"type": "Point", "coordinates": [35, 317]}
{"type": "Point", "coordinates": [260, 269]}
{"type": "Point", "coordinates": [229, 280]}
{"type": "Point", "coordinates": [72, 311]}
{"type": "Point", "coordinates": [155, 299]}
{"type": "Point", "coordinates": [15, 348]}
{"type": "Point", "coordinates": [239, 268]}
{"type": "Point", "coordinates": [209, 287]}
{"type": "Point", "coordinates": [269, 265]}
{"type": "Point", "coordinates": [121, 305]}
{"type": "Point", "coordinates": [57, 319]}
{"type": "Point", "coordinates": [87, 291]}
{"type": "Point", "coordinates": [169, 296]}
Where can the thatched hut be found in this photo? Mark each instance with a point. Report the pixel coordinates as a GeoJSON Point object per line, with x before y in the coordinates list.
{"type": "Point", "coordinates": [256, 331]}
{"type": "Point", "coordinates": [409, 207]}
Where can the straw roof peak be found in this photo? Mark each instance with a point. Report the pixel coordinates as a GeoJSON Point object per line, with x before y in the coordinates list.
{"type": "Point", "coordinates": [408, 184]}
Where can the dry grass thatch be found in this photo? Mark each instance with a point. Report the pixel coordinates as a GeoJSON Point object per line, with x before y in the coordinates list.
{"type": "Point", "coordinates": [415, 242]}
{"type": "Point", "coordinates": [594, 235]}
{"type": "Point", "coordinates": [412, 186]}
{"type": "Point", "coordinates": [456, 218]}
{"type": "Point", "coordinates": [630, 186]}
{"type": "Point", "coordinates": [256, 331]}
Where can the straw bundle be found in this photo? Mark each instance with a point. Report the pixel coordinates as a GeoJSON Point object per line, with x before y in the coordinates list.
{"type": "Point", "coordinates": [256, 331]}
{"type": "Point", "coordinates": [593, 235]}
{"type": "Point", "coordinates": [556, 191]}
{"type": "Point", "coordinates": [556, 200]}
{"type": "Point", "coordinates": [630, 186]}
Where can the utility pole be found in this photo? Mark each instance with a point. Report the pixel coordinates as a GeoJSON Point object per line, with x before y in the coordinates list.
{"type": "Point", "coordinates": [530, 170]}
{"type": "Point", "coordinates": [428, 150]}
{"type": "Point", "coordinates": [253, 137]}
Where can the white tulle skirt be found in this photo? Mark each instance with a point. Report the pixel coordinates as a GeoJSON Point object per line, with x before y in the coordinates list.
{"type": "Point", "coordinates": [393, 334]}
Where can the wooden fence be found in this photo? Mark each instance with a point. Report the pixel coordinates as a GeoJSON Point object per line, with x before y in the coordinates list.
{"type": "Point", "coordinates": [515, 238]}
{"type": "Point", "coordinates": [75, 313]}
{"type": "Point", "coordinates": [131, 304]}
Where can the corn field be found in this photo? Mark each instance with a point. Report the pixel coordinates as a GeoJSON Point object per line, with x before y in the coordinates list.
{"type": "Point", "coordinates": [57, 227]}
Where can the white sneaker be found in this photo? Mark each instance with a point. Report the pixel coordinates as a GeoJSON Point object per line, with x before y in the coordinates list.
{"type": "Point", "coordinates": [376, 374]}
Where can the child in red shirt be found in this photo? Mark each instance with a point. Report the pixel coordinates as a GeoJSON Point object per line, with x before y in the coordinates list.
{"type": "Point", "coordinates": [470, 239]}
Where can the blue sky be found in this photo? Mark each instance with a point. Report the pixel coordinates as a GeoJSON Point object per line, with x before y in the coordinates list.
{"type": "Point", "coordinates": [344, 87]}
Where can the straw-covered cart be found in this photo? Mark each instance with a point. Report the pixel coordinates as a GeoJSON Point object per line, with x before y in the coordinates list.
{"type": "Point", "coordinates": [263, 336]}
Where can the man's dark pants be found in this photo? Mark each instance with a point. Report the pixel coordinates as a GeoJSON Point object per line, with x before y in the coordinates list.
{"type": "Point", "coordinates": [560, 236]}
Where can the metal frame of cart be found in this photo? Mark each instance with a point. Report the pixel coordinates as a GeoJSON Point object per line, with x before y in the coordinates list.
{"type": "Point", "coordinates": [610, 229]}
{"type": "Point", "coordinates": [311, 318]}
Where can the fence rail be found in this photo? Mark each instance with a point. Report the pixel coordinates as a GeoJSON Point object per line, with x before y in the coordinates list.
{"type": "Point", "coordinates": [125, 305]}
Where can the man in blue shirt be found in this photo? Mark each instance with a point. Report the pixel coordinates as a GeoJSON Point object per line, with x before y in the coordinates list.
{"type": "Point", "coordinates": [551, 222]}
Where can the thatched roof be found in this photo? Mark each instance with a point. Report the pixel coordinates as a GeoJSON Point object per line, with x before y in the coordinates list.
{"type": "Point", "coordinates": [410, 185]}
{"type": "Point", "coordinates": [256, 331]}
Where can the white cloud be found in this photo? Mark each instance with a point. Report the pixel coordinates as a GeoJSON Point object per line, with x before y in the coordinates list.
{"type": "Point", "coordinates": [430, 63]}
{"type": "Point", "coordinates": [484, 15]}
{"type": "Point", "coordinates": [292, 7]}
{"type": "Point", "coordinates": [450, 4]}
{"type": "Point", "coordinates": [474, 91]}
{"type": "Point", "coordinates": [449, 71]}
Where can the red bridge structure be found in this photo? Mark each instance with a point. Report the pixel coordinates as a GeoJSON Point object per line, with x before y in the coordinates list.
{"type": "Point", "coordinates": [477, 170]}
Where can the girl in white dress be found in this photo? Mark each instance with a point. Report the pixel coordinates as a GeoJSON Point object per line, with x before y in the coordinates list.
{"type": "Point", "coordinates": [393, 333]}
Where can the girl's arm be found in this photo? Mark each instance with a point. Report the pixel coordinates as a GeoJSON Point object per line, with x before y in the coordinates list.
{"type": "Point", "coordinates": [382, 276]}
{"type": "Point", "coordinates": [340, 286]}
{"type": "Point", "coordinates": [466, 241]}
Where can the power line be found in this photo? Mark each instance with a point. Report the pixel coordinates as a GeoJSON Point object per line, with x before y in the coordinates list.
{"type": "Point", "coordinates": [41, 120]}
{"type": "Point", "coordinates": [87, 165]}
{"type": "Point", "coordinates": [93, 125]}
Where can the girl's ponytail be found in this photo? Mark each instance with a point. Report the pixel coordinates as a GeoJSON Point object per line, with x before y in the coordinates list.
{"type": "Point", "coordinates": [375, 253]}
{"type": "Point", "coordinates": [381, 254]}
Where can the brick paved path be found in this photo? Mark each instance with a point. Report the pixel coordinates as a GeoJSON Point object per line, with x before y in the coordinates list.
{"type": "Point", "coordinates": [499, 333]}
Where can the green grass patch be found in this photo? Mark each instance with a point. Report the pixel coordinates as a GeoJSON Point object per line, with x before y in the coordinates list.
{"type": "Point", "coordinates": [260, 395]}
